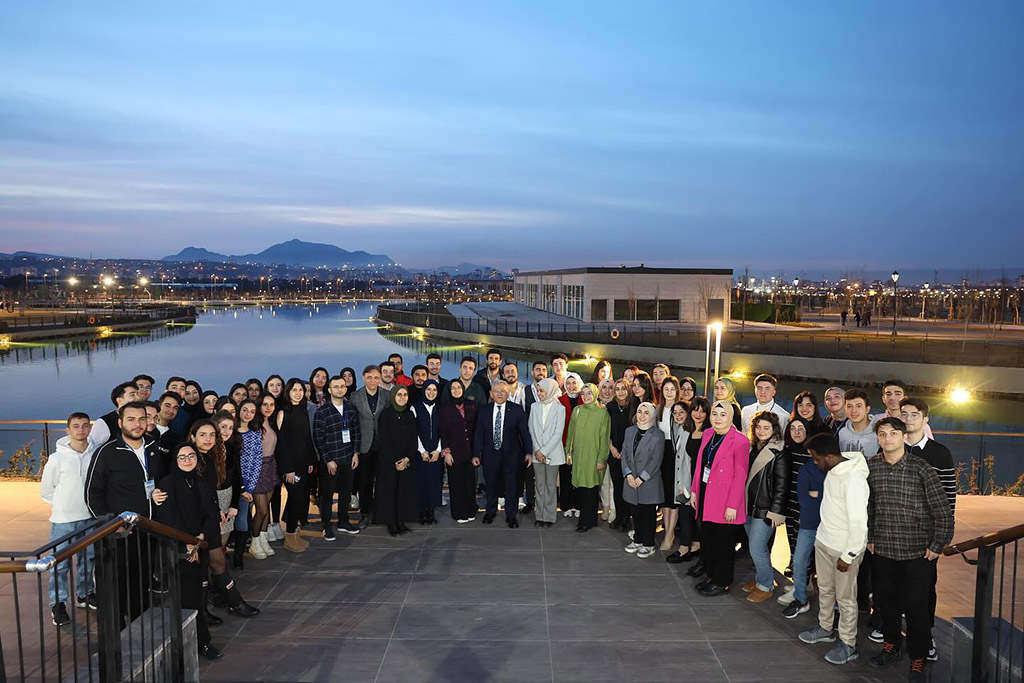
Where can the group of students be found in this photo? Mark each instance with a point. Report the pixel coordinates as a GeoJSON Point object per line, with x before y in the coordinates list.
{"type": "Point", "coordinates": [867, 500]}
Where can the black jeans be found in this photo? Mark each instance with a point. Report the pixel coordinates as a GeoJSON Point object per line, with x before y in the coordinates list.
{"type": "Point", "coordinates": [527, 484]}
{"type": "Point", "coordinates": [905, 586]}
{"type": "Point", "coordinates": [367, 480]}
{"type": "Point", "coordinates": [297, 500]}
{"type": "Point", "coordinates": [340, 482]}
{"type": "Point", "coordinates": [566, 491]}
{"type": "Point", "coordinates": [718, 550]}
{"type": "Point", "coordinates": [687, 525]}
{"type": "Point", "coordinates": [644, 522]}
{"type": "Point", "coordinates": [623, 510]}
{"type": "Point", "coordinates": [587, 500]}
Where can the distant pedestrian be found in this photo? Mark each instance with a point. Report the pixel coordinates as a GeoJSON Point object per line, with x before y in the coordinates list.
{"type": "Point", "coordinates": [857, 318]}
{"type": "Point", "coordinates": [843, 315]}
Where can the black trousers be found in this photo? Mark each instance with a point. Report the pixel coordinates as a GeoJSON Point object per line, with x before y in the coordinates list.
{"type": "Point", "coordinates": [275, 505]}
{"type": "Point", "coordinates": [297, 501]}
{"type": "Point", "coordinates": [687, 524]}
{"type": "Point", "coordinates": [192, 575]}
{"type": "Point", "coordinates": [500, 476]}
{"type": "Point", "coordinates": [623, 510]}
{"type": "Point", "coordinates": [527, 484]}
{"type": "Point", "coordinates": [340, 482]}
{"type": "Point", "coordinates": [587, 500]}
{"type": "Point", "coordinates": [905, 586]}
{"type": "Point", "coordinates": [718, 550]}
{"type": "Point", "coordinates": [462, 490]}
{"type": "Point", "coordinates": [566, 491]}
{"type": "Point", "coordinates": [367, 480]}
{"type": "Point", "coordinates": [644, 523]}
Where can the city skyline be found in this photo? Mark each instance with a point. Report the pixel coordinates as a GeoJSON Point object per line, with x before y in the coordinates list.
{"type": "Point", "coordinates": [527, 136]}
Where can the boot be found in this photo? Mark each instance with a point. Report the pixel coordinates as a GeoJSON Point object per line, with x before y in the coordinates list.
{"type": "Point", "coordinates": [268, 550]}
{"type": "Point", "coordinates": [302, 541]}
{"type": "Point", "coordinates": [239, 552]}
{"type": "Point", "coordinates": [292, 543]}
{"type": "Point", "coordinates": [236, 604]}
{"type": "Point", "coordinates": [256, 550]}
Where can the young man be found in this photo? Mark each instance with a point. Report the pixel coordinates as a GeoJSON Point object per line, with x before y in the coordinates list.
{"type": "Point", "coordinates": [516, 390]}
{"type": "Point", "coordinates": [839, 544]}
{"type": "Point", "coordinates": [909, 523]}
{"type": "Point", "coordinates": [502, 444]}
{"type": "Point", "coordinates": [559, 368]}
{"type": "Point", "coordinates": [401, 379]}
{"type": "Point", "coordinates": [419, 376]}
{"type": "Point", "coordinates": [856, 434]}
{"type": "Point", "coordinates": [539, 372]}
{"type": "Point", "coordinates": [105, 428]}
{"type": "Point", "coordinates": [369, 401]}
{"type": "Point", "coordinates": [177, 385]}
{"type": "Point", "coordinates": [336, 438]}
{"type": "Point", "coordinates": [893, 393]}
{"type": "Point", "coordinates": [473, 392]}
{"type": "Point", "coordinates": [434, 368]}
{"type": "Point", "coordinates": [63, 487]}
{"type": "Point", "coordinates": [387, 375]}
{"type": "Point", "coordinates": [144, 385]}
{"type": "Point", "coordinates": [765, 388]}
{"type": "Point", "coordinates": [835, 404]}
{"type": "Point", "coordinates": [491, 373]}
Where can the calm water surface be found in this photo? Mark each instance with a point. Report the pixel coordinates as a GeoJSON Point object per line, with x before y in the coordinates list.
{"type": "Point", "coordinates": [228, 345]}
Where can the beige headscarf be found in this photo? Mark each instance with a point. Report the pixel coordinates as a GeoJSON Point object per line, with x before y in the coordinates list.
{"type": "Point", "coordinates": [653, 411]}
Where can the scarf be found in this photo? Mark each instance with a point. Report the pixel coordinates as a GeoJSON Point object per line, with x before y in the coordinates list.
{"type": "Point", "coordinates": [652, 420]}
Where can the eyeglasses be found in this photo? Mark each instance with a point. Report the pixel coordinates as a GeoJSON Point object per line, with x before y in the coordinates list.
{"type": "Point", "coordinates": [185, 457]}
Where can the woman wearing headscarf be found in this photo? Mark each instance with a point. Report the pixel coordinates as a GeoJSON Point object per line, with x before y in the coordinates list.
{"type": "Point", "coordinates": [643, 447]}
{"type": "Point", "coordinates": [395, 500]}
{"type": "Point", "coordinates": [719, 498]}
{"type": "Point", "coordinates": [547, 424]}
{"type": "Point", "coordinates": [606, 396]}
{"type": "Point", "coordinates": [587, 452]}
{"type": "Point", "coordinates": [725, 390]}
{"type": "Point", "coordinates": [429, 469]}
{"type": "Point", "coordinates": [606, 392]}
{"type": "Point", "coordinates": [570, 398]}
{"type": "Point", "coordinates": [798, 430]}
{"type": "Point", "coordinates": [767, 488]}
{"type": "Point", "coordinates": [620, 412]}
{"type": "Point", "coordinates": [457, 424]}
{"type": "Point", "coordinates": [189, 508]}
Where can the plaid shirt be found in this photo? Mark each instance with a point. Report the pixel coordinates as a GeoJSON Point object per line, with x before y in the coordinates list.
{"type": "Point", "coordinates": [907, 512]}
{"type": "Point", "coordinates": [328, 425]}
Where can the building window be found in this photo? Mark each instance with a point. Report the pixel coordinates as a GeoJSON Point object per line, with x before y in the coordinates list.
{"type": "Point", "coordinates": [668, 309]}
{"type": "Point", "coordinates": [623, 309]}
{"type": "Point", "coordinates": [572, 301]}
{"type": "Point", "coordinates": [520, 295]}
{"type": "Point", "coordinates": [598, 309]}
{"type": "Point", "coordinates": [531, 296]}
{"type": "Point", "coordinates": [646, 309]}
{"type": "Point", "coordinates": [550, 296]}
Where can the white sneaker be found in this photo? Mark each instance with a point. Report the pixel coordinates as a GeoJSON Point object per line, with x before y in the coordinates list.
{"type": "Point", "coordinates": [787, 596]}
{"type": "Point", "coordinates": [645, 552]}
{"type": "Point", "coordinates": [876, 636]}
{"type": "Point", "coordinates": [265, 542]}
{"type": "Point", "coordinates": [630, 534]}
{"type": "Point", "coordinates": [575, 513]}
{"type": "Point", "coordinates": [353, 503]}
{"type": "Point", "coordinates": [633, 547]}
{"type": "Point", "coordinates": [567, 513]}
{"type": "Point", "coordinates": [464, 521]}
{"type": "Point", "coordinates": [274, 533]}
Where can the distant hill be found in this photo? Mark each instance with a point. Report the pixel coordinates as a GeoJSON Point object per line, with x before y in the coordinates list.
{"type": "Point", "coordinates": [292, 252]}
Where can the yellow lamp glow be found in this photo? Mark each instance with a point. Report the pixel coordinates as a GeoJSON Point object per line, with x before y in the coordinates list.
{"type": "Point", "coordinates": [959, 395]}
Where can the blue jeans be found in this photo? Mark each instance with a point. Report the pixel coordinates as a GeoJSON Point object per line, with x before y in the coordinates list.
{"type": "Point", "coordinates": [760, 534]}
{"type": "Point", "coordinates": [802, 555]}
{"type": "Point", "coordinates": [84, 560]}
{"type": "Point", "coordinates": [242, 518]}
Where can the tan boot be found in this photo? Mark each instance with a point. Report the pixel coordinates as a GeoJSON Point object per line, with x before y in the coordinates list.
{"type": "Point", "coordinates": [293, 543]}
{"type": "Point", "coordinates": [302, 540]}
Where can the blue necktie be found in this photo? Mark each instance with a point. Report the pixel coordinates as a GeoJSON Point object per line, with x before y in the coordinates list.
{"type": "Point", "coordinates": [497, 429]}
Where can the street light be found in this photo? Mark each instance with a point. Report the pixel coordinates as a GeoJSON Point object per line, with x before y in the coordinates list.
{"type": "Point", "coordinates": [715, 327]}
{"type": "Point", "coordinates": [895, 301]}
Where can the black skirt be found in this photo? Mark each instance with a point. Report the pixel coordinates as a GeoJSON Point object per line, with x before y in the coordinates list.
{"type": "Point", "coordinates": [668, 476]}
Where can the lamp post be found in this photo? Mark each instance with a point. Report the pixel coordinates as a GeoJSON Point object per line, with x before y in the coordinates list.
{"type": "Point", "coordinates": [716, 359]}
{"type": "Point", "coordinates": [895, 301]}
{"type": "Point", "coordinates": [796, 292]}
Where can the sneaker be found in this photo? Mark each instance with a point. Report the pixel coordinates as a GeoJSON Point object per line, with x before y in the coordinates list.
{"type": "Point", "coordinates": [465, 521]}
{"type": "Point", "coordinates": [786, 597]}
{"type": "Point", "coordinates": [876, 636]}
{"type": "Point", "coordinates": [567, 513]}
{"type": "Point", "coordinates": [348, 529]}
{"type": "Point", "coordinates": [60, 615]}
{"type": "Point", "coordinates": [917, 671]}
{"type": "Point", "coordinates": [795, 608]}
{"type": "Point", "coordinates": [890, 653]}
{"type": "Point", "coordinates": [817, 635]}
{"type": "Point", "coordinates": [92, 602]}
{"type": "Point", "coordinates": [329, 533]}
{"type": "Point", "coordinates": [933, 653]}
{"type": "Point", "coordinates": [645, 551]}
{"type": "Point", "coordinates": [353, 503]}
{"type": "Point", "coordinates": [841, 653]}
{"type": "Point", "coordinates": [633, 547]}
{"type": "Point", "coordinates": [630, 534]}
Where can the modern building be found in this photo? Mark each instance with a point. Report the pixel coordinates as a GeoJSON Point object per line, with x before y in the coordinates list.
{"type": "Point", "coordinates": [627, 294]}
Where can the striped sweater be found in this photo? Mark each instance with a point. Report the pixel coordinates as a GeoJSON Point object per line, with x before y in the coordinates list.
{"type": "Point", "coordinates": [941, 460]}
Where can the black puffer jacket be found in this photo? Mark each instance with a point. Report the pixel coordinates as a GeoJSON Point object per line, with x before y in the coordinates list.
{"type": "Point", "coordinates": [768, 483]}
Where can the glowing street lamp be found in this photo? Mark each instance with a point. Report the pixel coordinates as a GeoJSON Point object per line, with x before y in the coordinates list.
{"type": "Point", "coordinates": [715, 327]}
{"type": "Point", "coordinates": [895, 300]}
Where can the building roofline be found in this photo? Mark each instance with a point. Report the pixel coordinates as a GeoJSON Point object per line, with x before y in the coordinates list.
{"type": "Point", "coordinates": [638, 270]}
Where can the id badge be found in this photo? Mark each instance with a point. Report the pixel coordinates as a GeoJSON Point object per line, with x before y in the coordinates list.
{"type": "Point", "coordinates": [150, 487]}
{"type": "Point", "coordinates": [707, 474]}
{"type": "Point", "coordinates": [346, 436]}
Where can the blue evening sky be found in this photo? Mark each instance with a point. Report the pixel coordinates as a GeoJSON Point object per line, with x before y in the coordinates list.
{"type": "Point", "coordinates": [786, 135]}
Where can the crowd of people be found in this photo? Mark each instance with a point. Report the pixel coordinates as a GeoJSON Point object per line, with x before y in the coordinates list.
{"type": "Point", "coordinates": [867, 500]}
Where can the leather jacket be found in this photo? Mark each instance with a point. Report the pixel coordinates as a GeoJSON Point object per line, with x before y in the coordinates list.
{"type": "Point", "coordinates": [768, 486]}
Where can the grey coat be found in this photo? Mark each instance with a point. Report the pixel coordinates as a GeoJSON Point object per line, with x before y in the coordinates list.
{"type": "Point", "coordinates": [368, 420]}
{"type": "Point", "coordinates": [644, 462]}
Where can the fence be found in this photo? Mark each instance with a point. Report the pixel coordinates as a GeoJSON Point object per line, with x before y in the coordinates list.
{"type": "Point", "coordinates": [92, 318]}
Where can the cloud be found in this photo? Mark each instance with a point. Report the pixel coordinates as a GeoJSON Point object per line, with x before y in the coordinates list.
{"type": "Point", "coordinates": [403, 216]}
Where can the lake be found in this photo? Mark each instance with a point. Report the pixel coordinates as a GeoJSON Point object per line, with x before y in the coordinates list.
{"type": "Point", "coordinates": [228, 345]}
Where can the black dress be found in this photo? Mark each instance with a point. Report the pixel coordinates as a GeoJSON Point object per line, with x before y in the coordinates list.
{"type": "Point", "coordinates": [396, 498]}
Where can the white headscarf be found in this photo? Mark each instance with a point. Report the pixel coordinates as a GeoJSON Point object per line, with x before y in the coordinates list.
{"type": "Point", "coordinates": [579, 384]}
{"type": "Point", "coordinates": [653, 413]}
{"type": "Point", "coordinates": [551, 390]}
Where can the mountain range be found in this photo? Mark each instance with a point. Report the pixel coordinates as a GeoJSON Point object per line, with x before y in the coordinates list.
{"type": "Point", "coordinates": [292, 252]}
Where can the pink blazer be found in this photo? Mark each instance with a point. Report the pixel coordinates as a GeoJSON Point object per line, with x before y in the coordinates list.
{"type": "Point", "coordinates": [727, 485]}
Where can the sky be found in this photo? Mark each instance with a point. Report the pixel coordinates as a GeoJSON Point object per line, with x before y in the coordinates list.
{"type": "Point", "coordinates": [780, 136]}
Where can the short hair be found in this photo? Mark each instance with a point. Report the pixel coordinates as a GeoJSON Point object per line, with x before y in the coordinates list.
{"type": "Point", "coordinates": [396, 355]}
{"type": "Point", "coordinates": [433, 356]}
{"type": "Point", "coordinates": [559, 356]}
{"type": "Point", "coordinates": [854, 394]}
{"type": "Point", "coordinates": [370, 368]}
{"type": "Point", "coordinates": [172, 380]}
{"type": "Point", "coordinates": [824, 443]}
{"type": "Point", "coordinates": [336, 378]}
{"type": "Point", "coordinates": [508, 363]}
{"type": "Point", "coordinates": [119, 390]}
{"type": "Point", "coordinates": [491, 352]}
{"type": "Point", "coordinates": [385, 364]}
{"type": "Point", "coordinates": [152, 404]}
{"type": "Point", "coordinates": [765, 377]}
{"type": "Point", "coordinates": [77, 416]}
{"type": "Point", "coordinates": [918, 403]}
{"type": "Point", "coordinates": [893, 422]}
{"type": "Point", "coordinates": [419, 367]}
{"type": "Point", "coordinates": [145, 377]}
{"type": "Point", "coordinates": [131, 405]}
{"type": "Point", "coordinates": [170, 394]}
{"type": "Point", "coordinates": [539, 362]}
{"type": "Point", "coordinates": [468, 358]}
{"type": "Point", "coordinates": [895, 383]}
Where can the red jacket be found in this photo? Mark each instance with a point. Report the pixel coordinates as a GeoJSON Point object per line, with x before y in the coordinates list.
{"type": "Point", "coordinates": [564, 400]}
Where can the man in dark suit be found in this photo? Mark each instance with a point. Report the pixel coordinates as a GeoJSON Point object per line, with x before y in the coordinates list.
{"type": "Point", "coordinates": [502, 444]}
{"type": "Point", "coordinates": [369, 401]}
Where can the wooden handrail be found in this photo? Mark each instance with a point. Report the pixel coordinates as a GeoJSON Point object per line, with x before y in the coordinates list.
{"type": "Point", "coordinates": [164, 530]}
{"type": "Point", "coordinates": [995, 538]}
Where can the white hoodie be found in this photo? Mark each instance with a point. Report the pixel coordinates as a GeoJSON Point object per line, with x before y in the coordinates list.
{"type": "Point", "coordinates": [63, 484]}
{"type": "Point", "coordinates": [844, 507]}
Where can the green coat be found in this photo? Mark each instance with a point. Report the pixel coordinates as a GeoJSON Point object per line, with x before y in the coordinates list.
{"type": "Point", "coordinates": [590, 430]}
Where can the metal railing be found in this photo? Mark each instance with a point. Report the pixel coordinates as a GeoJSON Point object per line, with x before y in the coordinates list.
{"type": "Point", "coordinates": [92, 318]}
{"type": "Point", "coordinates": [132, 630]}
{"type": "Point", "coordinates": [804, 343]}
{"type": "Point", "coordinates": [994, 664]}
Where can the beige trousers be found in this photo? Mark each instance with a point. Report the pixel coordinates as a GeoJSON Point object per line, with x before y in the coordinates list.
{"type": "Point", "coordinates": [834, 587]}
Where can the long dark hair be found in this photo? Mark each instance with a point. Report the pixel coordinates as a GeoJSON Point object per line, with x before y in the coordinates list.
{"type": "Point", "coordinates": [815, 425]}
{"type": "Point", "coordinates": [265, 384]}
{"type": "Point", "coordinates": [286, 395]}
{"type": "Point", "coordinates": [697, 402]}
{"type": "Point", "coordinates": [771, 418]}
{"type": "Point", "coordinates": [235, 387]}
{"type": "Point", "coordinates": [645, 381]}
{"type": "Point", "coordinates": [315, 395]}
{"type": "Point", "coordinates": [272, 420]}
{"type": "Point", "coordinates": [235, 442]}
{"type": "Point", "coordinates": [254, 424]}
{"type": "Point", "coordinates": [218, 450]}
{"type": "Point", "coordinates": [595, 376]}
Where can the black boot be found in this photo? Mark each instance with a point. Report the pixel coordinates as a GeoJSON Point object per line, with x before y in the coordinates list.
{"type": "Point", "coordinates": [241, 545]}
{"type": "Point", "coordinates": [236, 605]}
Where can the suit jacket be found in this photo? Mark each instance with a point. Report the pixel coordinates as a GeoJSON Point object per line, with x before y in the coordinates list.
{"type": "Point", "coordinates": [368, 419]}
{"type": "Point", "coordinates": [727, 484]}
{"type": "Point", "coordinates": [515, 432]}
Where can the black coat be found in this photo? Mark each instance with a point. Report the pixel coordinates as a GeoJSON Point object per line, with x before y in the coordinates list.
{"type": "Point", "coordinates": [396, 498]}
{"type": "Point", "coordinates": [295, 451]}
{"type": "Point", "coordinates": [189, 509]}
{"type": "Point", "coordinates": [116, 481]}
{"type": "Point", "coordinates": [457, 431]}
{"type": "Point", "coordinates": [768, 489]}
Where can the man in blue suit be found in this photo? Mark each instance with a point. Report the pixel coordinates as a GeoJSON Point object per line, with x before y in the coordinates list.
{"type": "Point", "coordinates": [502, 444]}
